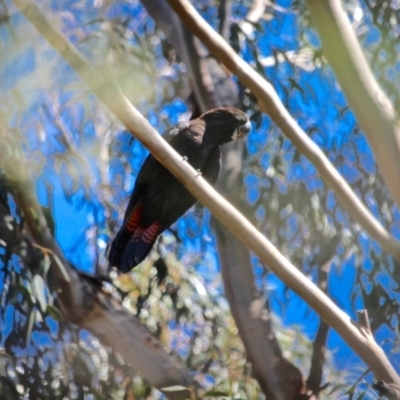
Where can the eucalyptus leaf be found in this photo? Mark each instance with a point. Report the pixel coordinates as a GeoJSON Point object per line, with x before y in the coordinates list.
{"type": "Point", "coordinates": [39, 288]}
{"type": "Point", "coordinates": [55, 313]}
{"type": "Point", "coordinates": [176, 388]}
{"type": "Point", "coordinates": [31, 321]}
{"type": "Point", "coordinates": [216, 393]}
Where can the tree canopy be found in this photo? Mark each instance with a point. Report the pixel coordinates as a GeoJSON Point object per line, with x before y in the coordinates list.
{"type": "Point", "coordinates": [234, 303]}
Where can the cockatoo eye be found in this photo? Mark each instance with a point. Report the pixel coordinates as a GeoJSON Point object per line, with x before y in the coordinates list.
{"type": "Point", "coordinates": [244, 129]}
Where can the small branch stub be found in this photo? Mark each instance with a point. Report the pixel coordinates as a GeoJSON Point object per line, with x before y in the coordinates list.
{"type": "Point", "coordinates": [363, 319]}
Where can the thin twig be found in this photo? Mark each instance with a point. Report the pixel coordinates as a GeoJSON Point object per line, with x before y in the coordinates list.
{"type": "Point", "coordinates": [363, 319]}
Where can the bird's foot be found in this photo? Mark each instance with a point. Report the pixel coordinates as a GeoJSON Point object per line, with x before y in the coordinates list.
{"type": "Point", "coordinates": [198, 173]}
{"type": "Point", "coordinates": [184, 158]}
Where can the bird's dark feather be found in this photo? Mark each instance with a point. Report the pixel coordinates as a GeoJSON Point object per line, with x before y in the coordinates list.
{"type": "Point", "coordinates": [158, 198]}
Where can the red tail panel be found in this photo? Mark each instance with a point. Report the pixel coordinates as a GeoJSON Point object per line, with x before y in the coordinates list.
{"type": "Point", "coordinates": [133, 220]}
{"type": "Point", "coordinates": [151, 233]}
{"type": "Point", "coordinates": [147, 235]}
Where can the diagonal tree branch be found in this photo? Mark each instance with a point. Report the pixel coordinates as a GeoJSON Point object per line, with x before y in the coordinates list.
{"type": "Point", "coordinates": [256, 331]}
{"type": "Point", "coordinates": [358, 338]}
{"type": "Point", "coordinates": [373, 109]}
{"type": "Point", "coordinates": [224, 13]}
{"type": "Point", "coordinates": [270, 103]}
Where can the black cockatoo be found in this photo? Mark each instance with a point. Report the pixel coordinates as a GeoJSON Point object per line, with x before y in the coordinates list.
{"type": "Point", "coordinates": [158, 198]}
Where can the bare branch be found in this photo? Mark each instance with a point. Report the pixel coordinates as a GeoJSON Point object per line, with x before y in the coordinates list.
{"type": "Point", "coordinates": [314, 380]}
{"type": "Point", "coordinates": [253, 16]}
{"type": "Point", "coordinates": [186, 45]}
{"type": "Point", "coordinates": [255, 329]}
{"type": "Point", "coordinates": [373, 109]}
{"type": "Point", "coordinates": [253, 320]}
{"type": "Point", "coordinates": [224, 13]}
{"type": "Point", "coordinates": [123, 332]}
{"type": "Point", "coordinates": [270, 103]}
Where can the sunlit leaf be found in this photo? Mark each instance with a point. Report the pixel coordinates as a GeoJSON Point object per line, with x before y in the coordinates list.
{"type": "Point", "coordinates": [39, 287]}
{"type": "Point", "coordinates": [55, 313]}
{"type": "Point", "coordinates": [31, 322]}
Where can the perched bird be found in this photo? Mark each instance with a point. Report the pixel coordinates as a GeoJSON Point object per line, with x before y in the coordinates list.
{"type": "Point", "coordinates": [158, 198]}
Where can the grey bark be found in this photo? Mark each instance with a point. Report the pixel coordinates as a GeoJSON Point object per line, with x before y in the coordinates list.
{"type": "Point", "coordinates": [214, 88]}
